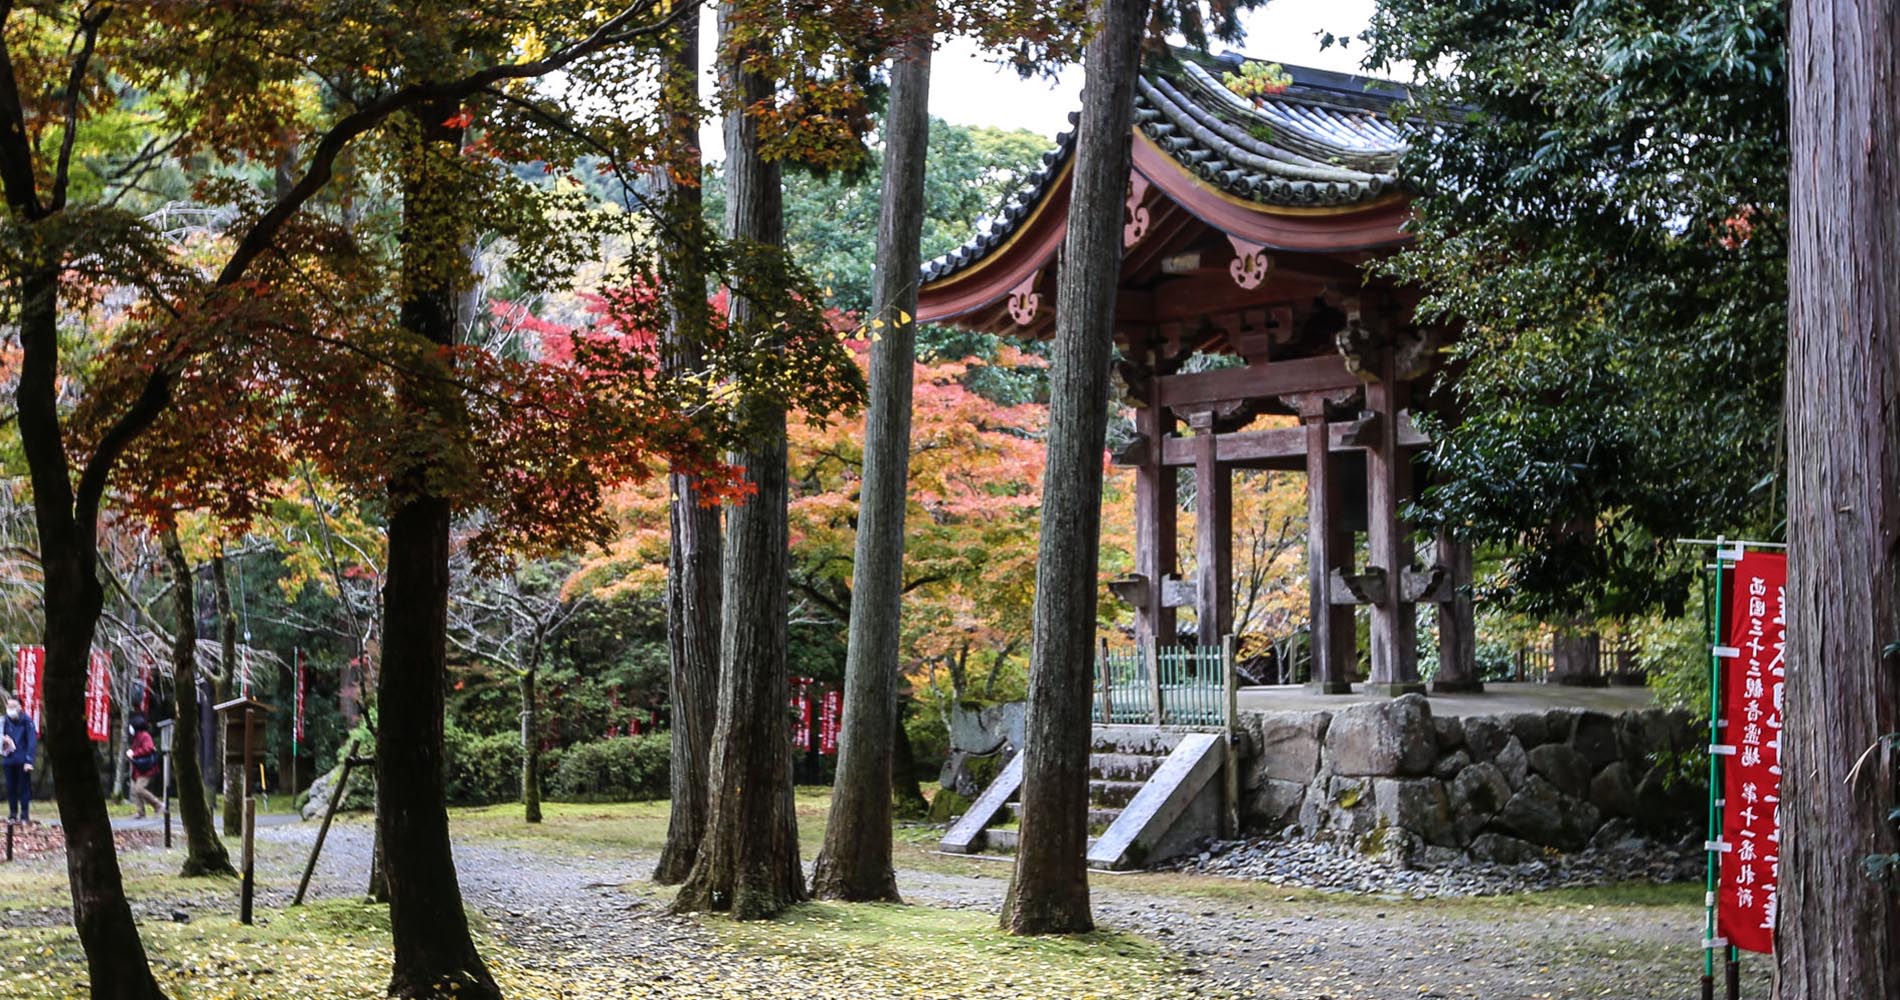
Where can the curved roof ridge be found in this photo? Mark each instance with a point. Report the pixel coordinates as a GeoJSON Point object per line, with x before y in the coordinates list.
{"type": "Point", "coordinates": [1238, 145]}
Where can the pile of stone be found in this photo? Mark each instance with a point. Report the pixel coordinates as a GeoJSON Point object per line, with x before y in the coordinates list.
{"type": "Point", "coordinates": [1617, 854]}
{"type": "Point", "coordinates": [1387, 780]}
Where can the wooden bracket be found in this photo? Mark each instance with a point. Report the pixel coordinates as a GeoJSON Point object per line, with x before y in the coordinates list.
{"type": "Point", "coordinates": [1368, 587]}
{"type": "Point", "coordinates": [1426, 586]}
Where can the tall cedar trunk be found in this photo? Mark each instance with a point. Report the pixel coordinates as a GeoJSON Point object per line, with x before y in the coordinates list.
{"type": "Point", "coordinates": [1049, 891]}
{"type": "Point", "coordinates": [530, 746]}
{"type": "Point", "coordinates": [693, 561]}
{"type": "Point", "coordinates": [855, 861]}
{"type": "Point", "coordinates": [204, 852]}
{"type": "Point", "coordinates": [1839, 930]}
{"type": "Point", "coordinates": [433, 950]}
{"type": "Point", "coordinates": [228, 688]}
{"type": "Point", "coordinates": [748, 861]}
{"type": "Point", "coordinates": [115, 956]}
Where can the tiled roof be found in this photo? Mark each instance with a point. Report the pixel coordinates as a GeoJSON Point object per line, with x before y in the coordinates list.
{"type": "Point", "coordinates": [1328, 140]}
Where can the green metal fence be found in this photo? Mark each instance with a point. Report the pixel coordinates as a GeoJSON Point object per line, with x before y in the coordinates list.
{"type": "Point", "coordinates": [1189, 685]}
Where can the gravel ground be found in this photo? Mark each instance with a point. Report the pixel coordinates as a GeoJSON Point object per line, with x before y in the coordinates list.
{"type": "Point", "coordinates": [1234, 935]}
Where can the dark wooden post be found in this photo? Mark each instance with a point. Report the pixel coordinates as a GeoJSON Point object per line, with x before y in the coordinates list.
{"type": "Point", "coordinates": [1156, 509]}
{"type": "Point", "coordinates": [1213, 534]}
{"type": "Point", "coordinates": [1331, 635]}
{"type": "Point", "coordinates": [249, 822]}
{"type": "Point", "coordinates": [1388, 483]}
{"type": "Point", "coordinates": [1457, 625]}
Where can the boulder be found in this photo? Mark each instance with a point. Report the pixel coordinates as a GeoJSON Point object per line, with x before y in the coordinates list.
{"type": "Point", "coordinates": [987, 729]}
{"type": "Point", "coordinates": [1641, 734]}
{"type": "Point", "coordinates": [1563, 767]}
{"type": "Point", "coordinates": [1541, 814]}
{"type": "Point", "coordinates": [361, 793]}
{"type": "Point", "coordinates": [1343, 810]}
{"type": "Point", "coordinates": [1594, 736]}
{"type": "Point", "coordinates": [1449, 732]}
{"type": "Point", "coordinates": [1386, 739]}
{"type": "Point", "coordinates": [1447, 768]}
{"type": "Point", "coordinates": [1668, 810]}
{"type": "Point", "coordinates": [1513, 764]}
{"type": "Point", "coordinates": [1612, 791]}
{"type": "Point", "coordinates": [1417, 805]}
{"type": "Point", "coordinates": [1619, 836]}
{"type": "Point", "coordinates": [1497, 848]}
{"type": "Point", "coordinates": [1529, 727]}
{"type": "Point", "coordinates": [1476, 794]}
{"type": "Point", "coordinates": [1485, 735]}
{"type": "Point", "coordinates": [1274, 805]}
{"type": "Point", "coordinates": [1558, 723]}
{"type": "Point", "coordinates": [1287, 744]}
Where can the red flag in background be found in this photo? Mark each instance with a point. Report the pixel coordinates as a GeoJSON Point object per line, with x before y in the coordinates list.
{"type": "Point", "coordinates": [1751, 775]}
{"type": "Point", "coordinates": [828, 721]}
{"type": "Point", "coordinates": [99, 697]}
{"type": "Point", "coordinates": [29, 679]}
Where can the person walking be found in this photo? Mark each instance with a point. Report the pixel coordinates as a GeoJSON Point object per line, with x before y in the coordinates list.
{"type": "Point", "coordinates": [19, 740]}
{"type": "Point", "coordinates": [145, 761]}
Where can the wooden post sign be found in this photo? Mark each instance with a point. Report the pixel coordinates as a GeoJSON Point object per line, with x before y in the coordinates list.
{"type": "Point", "coordinates": [1753, 673]}
{"type": "Point", "coordinates": [243, 731]}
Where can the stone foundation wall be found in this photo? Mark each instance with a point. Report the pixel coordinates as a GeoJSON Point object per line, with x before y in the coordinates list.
{"type": "Point", "coordinates": [1388, 777]}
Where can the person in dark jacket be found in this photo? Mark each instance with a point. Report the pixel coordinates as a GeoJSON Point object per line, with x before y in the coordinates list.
{"type": "Point", "coordinates": [19, 739]}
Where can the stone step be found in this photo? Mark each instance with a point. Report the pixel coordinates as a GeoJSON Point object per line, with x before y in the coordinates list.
{"type": "Point", "coordinates": [1001, 841]}
{"type": "Point", "coordinates": [1101, 819]}
{"type": "Point", "coordinates": [1124, 766]}
{"type": "Point", "coordinates": [1113, 793]}
{"type": "Point", "coordinates": [1140, 740]}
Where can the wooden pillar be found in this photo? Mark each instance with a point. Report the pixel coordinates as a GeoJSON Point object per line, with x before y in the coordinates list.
{"type": "Point", "coordinates": [1331, 633]}
{"type": "Point", "coordinates": [1575, 656]}
{"type": "Point", "coordinates": [1156, 509]}
{"type": "Point", "coordinates": [1457, 624]}
{"type": "Point", "coordinates": [1213, 535]}
{"type": "Point", "coordinates": [1388, 484]}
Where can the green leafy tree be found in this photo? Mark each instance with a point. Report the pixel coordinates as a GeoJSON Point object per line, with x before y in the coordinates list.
{"type": "Point", "coordinates": [1601, 225]}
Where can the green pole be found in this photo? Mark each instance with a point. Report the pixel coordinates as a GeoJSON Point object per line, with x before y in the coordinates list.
{"type": "Point", "coordinates": [1714, 858]}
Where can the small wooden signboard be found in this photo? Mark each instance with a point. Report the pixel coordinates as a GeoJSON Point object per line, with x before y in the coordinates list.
{"type": "Point", "coordinates": [242, 745]}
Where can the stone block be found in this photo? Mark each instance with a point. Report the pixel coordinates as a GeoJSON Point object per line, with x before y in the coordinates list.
{"type": "Point", "coordinates": [1287, 744]}
{"type": "Point", "coordinates": [1386, 739]}
{"type": "Point", "coordinates": [1485, 735]}
{"type": "Point", "coordinates": [1529, 728]}
{"type": "Point", "coordinates": [1477, 794]}
{"type": "Point", "coordinates": [1498, 848]}
{"type": "Point", "coordinates": [1447, 768]}
{"type": "Point", "coordinates": [1274, 805]}
{"type": "Point", "coordinates": [1449, 732]}
{"type": "Point", "coordinates": [1640, 734]}
{"type": "Point", "coordinates": [1562, 766]}
{"type": "Point", "coordinates": [987, 729]}
{"type": "Point", "coordinates": [1513, 764]}
{"type": "Point", "coordinates": [1612, 791]}
{"type": "Point", "coordinates": [1594, 736]}
{"type": "Point", "coordinates": [1557, 725]}
{"type": "Point", "coordinates": [1343, 810]}
{"type": "Point", "coordinates": [1417, 805]}
{"type": "Point", "coordinates": [1541, 814]}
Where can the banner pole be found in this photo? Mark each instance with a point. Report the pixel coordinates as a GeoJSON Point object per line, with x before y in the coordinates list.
{"type": "Point", "coordinates": [1712, 853]}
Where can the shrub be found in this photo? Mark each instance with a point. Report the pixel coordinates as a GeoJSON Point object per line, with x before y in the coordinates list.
{"type": "Point", "coordinates": [481, 770]}
{"type": "Point", "coordinates": [621, 769]}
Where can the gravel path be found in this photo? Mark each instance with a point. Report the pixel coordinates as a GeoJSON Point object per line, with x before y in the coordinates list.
{"type": "Point", "coordinates": [571, 910]}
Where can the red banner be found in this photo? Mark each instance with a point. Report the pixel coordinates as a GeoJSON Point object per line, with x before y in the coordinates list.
{"type": "Point", "coordinates": [828, 719]}
{"type": "Point", "coordinates": [1751, 768]}
{"type": "Point", "coordinates": [99, 697]}
{"type": "Point", "coordinates": [801, 714]}
{"type": "Point", "coordinates": [29, 680]}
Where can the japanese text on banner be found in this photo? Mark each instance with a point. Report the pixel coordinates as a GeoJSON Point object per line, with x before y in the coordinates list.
{"type": "Point", "coordinates": [1751, 777]}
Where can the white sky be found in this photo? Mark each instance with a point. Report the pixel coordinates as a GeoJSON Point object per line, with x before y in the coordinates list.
{"type": "Point", "coordinates": [965, 89]}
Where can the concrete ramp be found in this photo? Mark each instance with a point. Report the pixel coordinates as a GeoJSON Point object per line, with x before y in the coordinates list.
{"type": "Point", "coordinates": [965, 836]}
{"type": "Point", "coordinates": [1163, 801]}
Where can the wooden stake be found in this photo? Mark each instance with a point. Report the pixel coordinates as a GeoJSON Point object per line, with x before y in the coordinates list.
{"type": "Point", "coordinates": [329, 813]}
